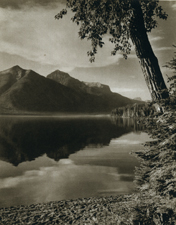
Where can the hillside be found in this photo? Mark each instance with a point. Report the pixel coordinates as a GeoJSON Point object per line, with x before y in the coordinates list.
{"type": "Point", "coordinates": [79, 86]}
{"type": "Point", "coordinates": [25, 91]}
{"type": "Point", "coordinates": [9, 77]}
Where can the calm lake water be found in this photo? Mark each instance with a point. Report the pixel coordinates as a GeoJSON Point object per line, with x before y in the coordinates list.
{"type": "Point", "coordinates": [56, 158]}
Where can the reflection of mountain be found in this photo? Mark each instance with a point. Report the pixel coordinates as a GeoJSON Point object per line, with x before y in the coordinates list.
{"type": "Point", "coordinates": [26, 138]}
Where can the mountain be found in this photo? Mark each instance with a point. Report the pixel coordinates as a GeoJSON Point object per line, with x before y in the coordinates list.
{"type": "Point", "coordinates": [35, 93]}
{"type": "Point", "coordinates": [25, 91]}
{"type": "Point", "coordinates": [138, 98]}
{"type": "Point", "coordinates": [9, 77]}
{"type": "Point", "coordinates": [108, 98]}
{"type": "Point", "coordinates": [79, 86]}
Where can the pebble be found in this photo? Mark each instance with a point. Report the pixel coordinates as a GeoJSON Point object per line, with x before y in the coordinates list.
{"type": "Point", "coordinates": [105, 210]}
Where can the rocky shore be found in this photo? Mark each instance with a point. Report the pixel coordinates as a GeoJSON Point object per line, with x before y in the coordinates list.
{"type": "Point", "coordinates": [102, 210]}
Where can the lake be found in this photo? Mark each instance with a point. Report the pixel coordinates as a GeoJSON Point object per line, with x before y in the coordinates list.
{"type": "Point", "coordinates": [54, 158]}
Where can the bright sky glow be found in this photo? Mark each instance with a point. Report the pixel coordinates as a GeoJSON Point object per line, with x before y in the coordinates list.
{"type": "Point", "coordinates": [31, 38]}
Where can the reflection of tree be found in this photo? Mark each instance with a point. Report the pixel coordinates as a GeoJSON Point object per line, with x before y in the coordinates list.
{"type": "Point", "coordinates": [25, 138]}
{"type": "Point", "coordinates": [129, 123]}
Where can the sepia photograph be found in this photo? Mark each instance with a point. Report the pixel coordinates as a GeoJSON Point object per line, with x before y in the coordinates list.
{"type": "Point", "coordinates": [88, 112]}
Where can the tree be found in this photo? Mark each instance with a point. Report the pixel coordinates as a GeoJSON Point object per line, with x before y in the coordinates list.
{"type": "Point", "coordinates": [123, 20]}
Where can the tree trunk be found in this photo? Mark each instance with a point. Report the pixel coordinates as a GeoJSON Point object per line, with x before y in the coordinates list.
{"type": "Point", "coordinates": [147, 58]}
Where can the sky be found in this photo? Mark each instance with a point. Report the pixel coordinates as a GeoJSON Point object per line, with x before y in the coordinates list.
{"type": "Point", "coordinates": [31, 38]}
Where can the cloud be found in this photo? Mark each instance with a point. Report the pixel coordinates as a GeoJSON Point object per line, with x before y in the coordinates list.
{"type": "Point", "coordinates": [125, 142]}
{"type": "Point", "coordinates": [158, 38]}
{"type": "Point", "coordinates": [18, 4]}
{"type": "Point", "coordinates": [174, 6]}
{"type": "Point", "coordinates": [65, 162]}
{"type": "Point", "coordinates": [132, 76]}
{"type": "Point", "coordinates": [35, 35]}
{"type": "Point", "coordinates": [132, 55]}
{"type": "Point", "coordinates": [124, 90]}
{"type": "Point", "coordinates": [62, 181]}
{"type": "Point", "coordinates": [163, 49]}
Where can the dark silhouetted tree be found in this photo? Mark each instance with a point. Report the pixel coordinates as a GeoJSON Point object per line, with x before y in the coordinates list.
{"type": "Point", "coordinates": [123, 20]}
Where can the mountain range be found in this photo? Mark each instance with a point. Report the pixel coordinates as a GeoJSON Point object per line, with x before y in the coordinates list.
{"type": "Point", "coordinates": [25, 91]}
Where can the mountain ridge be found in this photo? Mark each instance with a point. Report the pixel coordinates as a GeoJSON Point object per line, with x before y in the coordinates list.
{"type": "Point", "coordinates": [25, 91]}
{"type": "Point", "coordinates": [65, 79]}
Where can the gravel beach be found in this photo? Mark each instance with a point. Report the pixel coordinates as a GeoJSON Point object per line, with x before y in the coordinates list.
{"type": "Point", "coordinates": [102, 210]}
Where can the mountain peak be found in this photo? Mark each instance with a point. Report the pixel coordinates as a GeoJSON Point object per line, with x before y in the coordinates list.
{"type": "Point", "coordinates": [13, 69]}
{"type": "Point", "coordinates": [16, 67]}
{"type": "Point", "coordinates": [59, 73]}
{"type": "Point", "coordinates": [138, 98]}
{"type": "Point", "coordinates": [98, 88]}
{"type": "Point", "coordinates": [60, 77]}
{"type": "Point", "coordinates": [9, 77]}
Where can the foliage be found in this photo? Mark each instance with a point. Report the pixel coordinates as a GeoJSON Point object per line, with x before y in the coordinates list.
{"type": "Point", "coordinates": [99, 17]}
{"type": "Point", "coordinates": [156, 177]}
{"type": "Point", "coordinates": [172, 80]}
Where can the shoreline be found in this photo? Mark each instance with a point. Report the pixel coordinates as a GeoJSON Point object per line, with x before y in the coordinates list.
{"type": "Point", "coordinates": [94, 210]}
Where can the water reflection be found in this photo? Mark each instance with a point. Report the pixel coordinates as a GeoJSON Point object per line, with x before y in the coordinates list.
{"type": "Point", "coordinates": [130, 123]}
{"type": "Point", "coordinates": [26, 138]}
{"type": "Point", "coordinates": [45, 159]}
